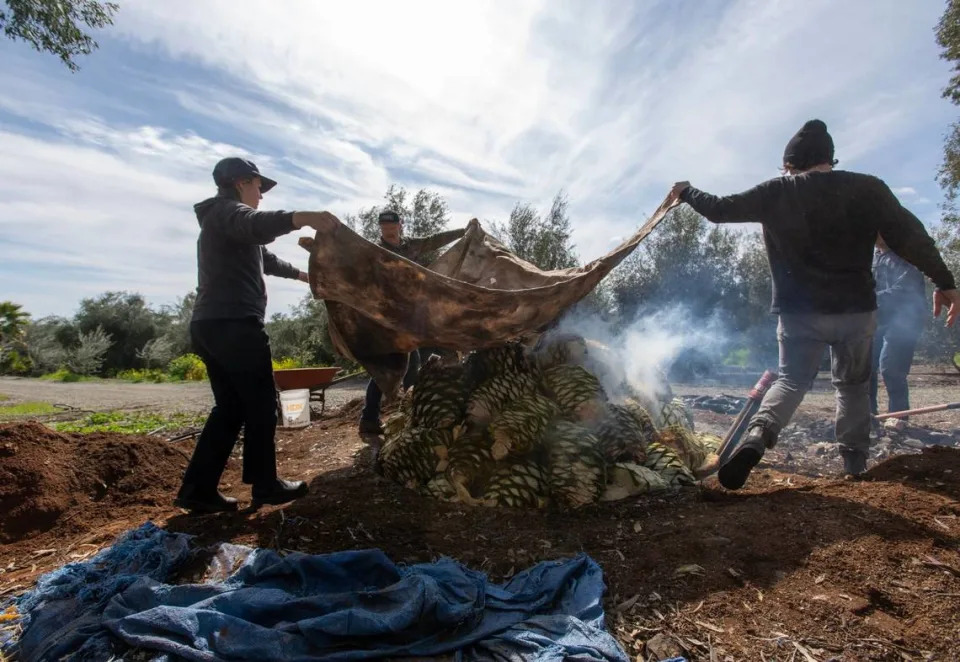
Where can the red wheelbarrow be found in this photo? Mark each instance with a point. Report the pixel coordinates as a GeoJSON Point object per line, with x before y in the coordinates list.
{"type": "Point", "coordinates": [316, 380]}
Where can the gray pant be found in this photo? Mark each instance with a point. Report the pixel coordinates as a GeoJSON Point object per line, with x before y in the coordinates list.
{"type": "Point", "coordinates": [803, 337]}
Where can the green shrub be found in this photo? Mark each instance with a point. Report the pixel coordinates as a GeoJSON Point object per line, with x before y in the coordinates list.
{"type": "Point", "coordinates": [126, 422]}
{"type": "Point", "coordinates": [286, 364]}
{"type": "Point", "coordinates": [14, 362]}
{"type": "Point", "coordinates": [26, 409]}
{"type": "Point", "coordinates": [152, 375]}
{"type": "Point", "coordinates": [738, 358]}
{"type": "Point", "coordinates": [189, 367]}
{"type": "Point", "coordinates": [63, 375]}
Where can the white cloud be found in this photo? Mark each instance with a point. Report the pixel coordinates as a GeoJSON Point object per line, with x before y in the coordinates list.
{"type": "Point", "coordinates": [905, 191]}
{"type": "Point", "coordinates": [910, 196]}
{"type": "Point", "coordinates": [120, 220]}
{"type": "Point", "coordinates": [488, 103]}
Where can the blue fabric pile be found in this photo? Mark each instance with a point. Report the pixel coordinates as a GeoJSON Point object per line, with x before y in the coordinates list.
{"type": "Point", "coordinates": [62, 615]}
{"type": "Point", "coordinates": [354, 605]}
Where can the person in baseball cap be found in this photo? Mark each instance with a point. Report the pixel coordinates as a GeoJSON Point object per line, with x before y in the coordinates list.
{"type": "Point", "coordinates": [415, 249]}
{"type": "Point", "coordinates": [232, 169]}
{"type": "Point", "coordinates": [227, 332]}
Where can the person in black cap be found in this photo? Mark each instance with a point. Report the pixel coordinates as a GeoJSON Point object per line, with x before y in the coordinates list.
{"type": "Point", "coordinates": [227, 332]}
{"type": "Point", "coordinates": [415, 249]}
{"type": "Point", "coordinates": [819, 227]}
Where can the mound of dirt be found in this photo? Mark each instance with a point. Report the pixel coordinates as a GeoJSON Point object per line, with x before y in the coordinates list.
{"type": "Point", "coordinates": [45, 475]}
{"type": "Point", "coordinates": [843, 570]}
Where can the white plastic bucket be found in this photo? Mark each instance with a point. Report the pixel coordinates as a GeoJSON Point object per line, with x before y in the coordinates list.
{"type": "Point", "coordinates": [295, 408]}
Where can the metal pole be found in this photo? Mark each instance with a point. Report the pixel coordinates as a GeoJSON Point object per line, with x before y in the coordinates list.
{"type": "Point", "coordinates": [739, 426]}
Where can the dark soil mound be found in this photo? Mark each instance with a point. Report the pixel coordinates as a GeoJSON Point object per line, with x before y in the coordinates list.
{"type": "Point", "coordinates": [844, 570]}
{"type": "Point", "coordinates": [44, 475]}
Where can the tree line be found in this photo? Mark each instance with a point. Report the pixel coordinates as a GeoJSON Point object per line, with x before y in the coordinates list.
{"type": "Point", "coordinates": [710, 272]}
{"type": "Point", "coordinates": [711, 275]}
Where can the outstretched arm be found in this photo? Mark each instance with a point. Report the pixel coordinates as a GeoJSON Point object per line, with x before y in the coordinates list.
{"type": "Point", "coordinates": [421, 245]}
{"type": "Point", "coordinates": [249, 226]}
{"type": "Point", "coordinates": [908, 238]}
{"type": "Point", "coordinates": [746, 207]}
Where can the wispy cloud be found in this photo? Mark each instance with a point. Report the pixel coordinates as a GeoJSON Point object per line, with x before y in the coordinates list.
{"type": "Point", "coordinates": [910, 196]}
{"type": "Point", "coordinates": [488, 103]}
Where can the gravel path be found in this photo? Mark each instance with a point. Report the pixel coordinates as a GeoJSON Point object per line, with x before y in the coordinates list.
{"type": "Point", "coordinates": [109, 395]}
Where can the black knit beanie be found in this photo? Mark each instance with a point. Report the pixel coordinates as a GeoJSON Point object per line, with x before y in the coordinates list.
{"type": "Point", "coordinates": [811, 146]}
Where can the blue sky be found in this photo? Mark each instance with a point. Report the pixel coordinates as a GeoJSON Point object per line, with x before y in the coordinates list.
{"type": "Point", "coordinates": [488, 103]}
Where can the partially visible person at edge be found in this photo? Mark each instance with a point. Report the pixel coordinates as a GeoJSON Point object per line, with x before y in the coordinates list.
{"type": "Point", "coordinates": [901, 314]}
{"type": "Point", "coordinates": [227, 332]}
{"type": "Point", "coordinates": [819, 228]}
{"type": "Point", "coordinates": [415, 249]}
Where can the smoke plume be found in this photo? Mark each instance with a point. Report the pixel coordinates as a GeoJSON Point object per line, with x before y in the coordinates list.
{"type": "Point", "coordinates": [636, 356]}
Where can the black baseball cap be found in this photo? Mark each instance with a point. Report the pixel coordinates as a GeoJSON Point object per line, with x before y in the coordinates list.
{"type": "Point", "coordinates": [232, 168]}
{"type": "Point", "coordinates": [389, 217]}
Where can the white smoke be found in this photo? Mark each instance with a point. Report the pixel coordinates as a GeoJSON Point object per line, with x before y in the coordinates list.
{"type": "Point", "coordinates": [640, 353]}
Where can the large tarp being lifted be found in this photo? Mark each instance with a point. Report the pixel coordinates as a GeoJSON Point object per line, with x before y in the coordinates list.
{"type": "Point", "coordinates": [477, 294]}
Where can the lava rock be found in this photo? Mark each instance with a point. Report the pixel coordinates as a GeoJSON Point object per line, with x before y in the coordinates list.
{"type": "Point", "coordinates": [663, 647]}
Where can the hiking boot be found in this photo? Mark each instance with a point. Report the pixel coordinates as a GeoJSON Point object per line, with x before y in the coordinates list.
{"type": "Point", "coordinates": [370, 427]}
{"type": "Point", "coordinates": [199, 502]}
{"type": "Point", "coordinates": [854, 464]}
{"type": "Point", "coordinates": [733, 474]}
{"type": "Point", "coordinates": [278, 492]}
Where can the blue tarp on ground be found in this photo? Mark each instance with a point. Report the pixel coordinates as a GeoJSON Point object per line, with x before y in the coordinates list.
{"type": "Point", "coordinates": [355, 605]}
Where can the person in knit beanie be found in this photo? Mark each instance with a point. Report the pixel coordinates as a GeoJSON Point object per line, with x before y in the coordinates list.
{"type": "Point", "coordinates": [811, 146]}
{"type": "Point", "coordinates": [819, 227]}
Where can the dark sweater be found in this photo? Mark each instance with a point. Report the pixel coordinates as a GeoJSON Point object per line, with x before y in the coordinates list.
{"type": "Point", "coordinates": [819, 229]}
{"type": "Point", "coordinates": [231, 258]}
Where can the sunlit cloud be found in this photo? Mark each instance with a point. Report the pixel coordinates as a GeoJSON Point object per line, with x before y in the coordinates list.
{"type": "Point", "coordinates": [487, 103]}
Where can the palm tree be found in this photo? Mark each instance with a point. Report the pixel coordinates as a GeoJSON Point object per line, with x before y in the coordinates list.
{"type": "Point", "coordinates": [13, 321]}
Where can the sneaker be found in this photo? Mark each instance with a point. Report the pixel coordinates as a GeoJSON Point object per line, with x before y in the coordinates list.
{"type": "Point", "coordinates": [279, 492]}
{"type": "Point", "coordinates": [199, 503]}
{"type": "Point", "coordinates": [371, 427]}
{"type": "Point", "coordinates": [734, 472]}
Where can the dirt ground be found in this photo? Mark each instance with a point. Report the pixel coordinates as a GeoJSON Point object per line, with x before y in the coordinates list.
{"type": "Point", "coordinates": [792, 568]}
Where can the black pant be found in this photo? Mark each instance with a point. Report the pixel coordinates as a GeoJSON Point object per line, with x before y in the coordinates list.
{"type": "Point", "coordinates": [371, 406]}
{"type": "Point", "coordinates": [237, 355]}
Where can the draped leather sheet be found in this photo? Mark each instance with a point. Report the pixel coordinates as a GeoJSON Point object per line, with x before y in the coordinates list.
{"type": "Point", "coordinates": [477, 294]}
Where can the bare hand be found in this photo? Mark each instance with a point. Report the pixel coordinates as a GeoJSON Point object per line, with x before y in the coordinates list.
{"type": "Point", "coordinates": [304, 277]}
{"type": "Point", "coordinates": [675, 192]}
{"type": "Point", "coordinates": [321, 221]}
{"type": "Point", "coordinates": [949, 299]}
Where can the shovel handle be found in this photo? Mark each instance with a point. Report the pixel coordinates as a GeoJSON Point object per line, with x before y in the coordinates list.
{"type": "Point", "coordinates": [921, 410]}
{"type": "Point", "coordinates": [749, 409]}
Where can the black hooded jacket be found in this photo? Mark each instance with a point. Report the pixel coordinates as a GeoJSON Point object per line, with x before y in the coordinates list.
{"type": "Point", "coordinates": [820, 229]}
{"type": "Point", "coordinates": [232, 260]}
